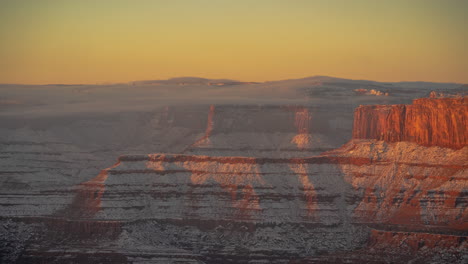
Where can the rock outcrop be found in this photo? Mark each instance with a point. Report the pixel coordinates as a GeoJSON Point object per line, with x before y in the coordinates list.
{"type": "Point", "coordinates": [429, 122]}
{"type": "Point", "coordinates": [408, 185]}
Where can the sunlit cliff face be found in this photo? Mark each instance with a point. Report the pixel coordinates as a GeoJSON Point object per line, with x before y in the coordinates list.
{"type": "Point", "coordinates": [429, 122]}
{"type": "Point", "coordinates": [408, 184]}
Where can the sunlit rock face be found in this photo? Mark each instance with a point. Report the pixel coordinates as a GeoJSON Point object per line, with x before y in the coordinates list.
{"type": "Point", "coordinates": [430, 122]}
{"type": "Point", "coordinates": [415, 184]}
{"type": "Point", "coordinates": [406, 184]}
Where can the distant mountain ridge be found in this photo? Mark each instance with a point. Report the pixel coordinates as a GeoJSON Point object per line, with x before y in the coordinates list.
{"type": "Point", "coordinates": [316, 79]}
{"type": "Point", "coordinates": [190, 81]}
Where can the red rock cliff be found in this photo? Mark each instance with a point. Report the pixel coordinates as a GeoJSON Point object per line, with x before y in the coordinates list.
{"type": "Point", "coordinates": [430, 122]}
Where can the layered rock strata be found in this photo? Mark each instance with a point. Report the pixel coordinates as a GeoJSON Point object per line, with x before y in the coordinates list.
{"type": "Point", "coordinates": [430, 122]}
{"type": "Point", "coordinates": [405, 184]}
{"type": "Point", "coordinates": [407, 192]}
{"type": "Point", "coordinates": [269, 131]}
{"type": "Point", "coordinates": [240, 208]}
{"type": "Point", "coordinates": [164, 186]}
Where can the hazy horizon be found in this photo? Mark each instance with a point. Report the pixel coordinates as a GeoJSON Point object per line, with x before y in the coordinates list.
{"type": "Point", "coordinates": [235, 80]}
{"type": "Point", "coordinates": [90, 42]}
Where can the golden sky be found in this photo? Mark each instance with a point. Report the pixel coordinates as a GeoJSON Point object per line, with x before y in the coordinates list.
{"type": "Point", "coordinates": [96, 41]}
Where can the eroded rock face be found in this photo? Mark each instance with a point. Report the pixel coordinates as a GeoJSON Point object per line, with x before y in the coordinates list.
{"type": "Point", "coordinates": [429, 122]}
{"type": "Point", "coordinates": [365, 181]}
{"type": "Point", "coordinates": [239, 205]}
{"type": "Point", "coordinates": [417, 185]}
{"type": "Point", "coordinates": [162, 208]}
{"type": "Point", "coordinates": [267, 130]}
{"type": "Point", "coordinates": [164, 186]}
{"type": "Point", "coordinates": [406, 184]}
{"type": "Point", "coordinates": [367, 195]}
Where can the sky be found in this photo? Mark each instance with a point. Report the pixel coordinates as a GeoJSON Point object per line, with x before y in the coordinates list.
{"type": "Point", "coordinates": [109, 41]}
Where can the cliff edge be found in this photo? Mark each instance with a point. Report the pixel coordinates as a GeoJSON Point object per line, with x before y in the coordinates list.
{"type": "Point", "coordinates": [439, 122]}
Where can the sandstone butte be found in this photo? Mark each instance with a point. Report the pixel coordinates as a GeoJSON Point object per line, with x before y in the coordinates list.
{"type": "Point", "coordinates": [428, 121]}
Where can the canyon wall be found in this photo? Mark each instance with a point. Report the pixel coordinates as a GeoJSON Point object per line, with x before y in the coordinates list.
{"type": "Point", "coordinates": [408, 185]}
{"type": "Point", "coordinates": [366, 194]}
{"type": "Point", "coordinates": [416, 185]}
{"type": "Point", "coordinates": [249, 183]}
{"type": "Point", "coordinates": [428, 121]}
{"type": "Point", "coordinates": [198, 188]}
{"type": "Point", "coordinates": [266, 130]}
